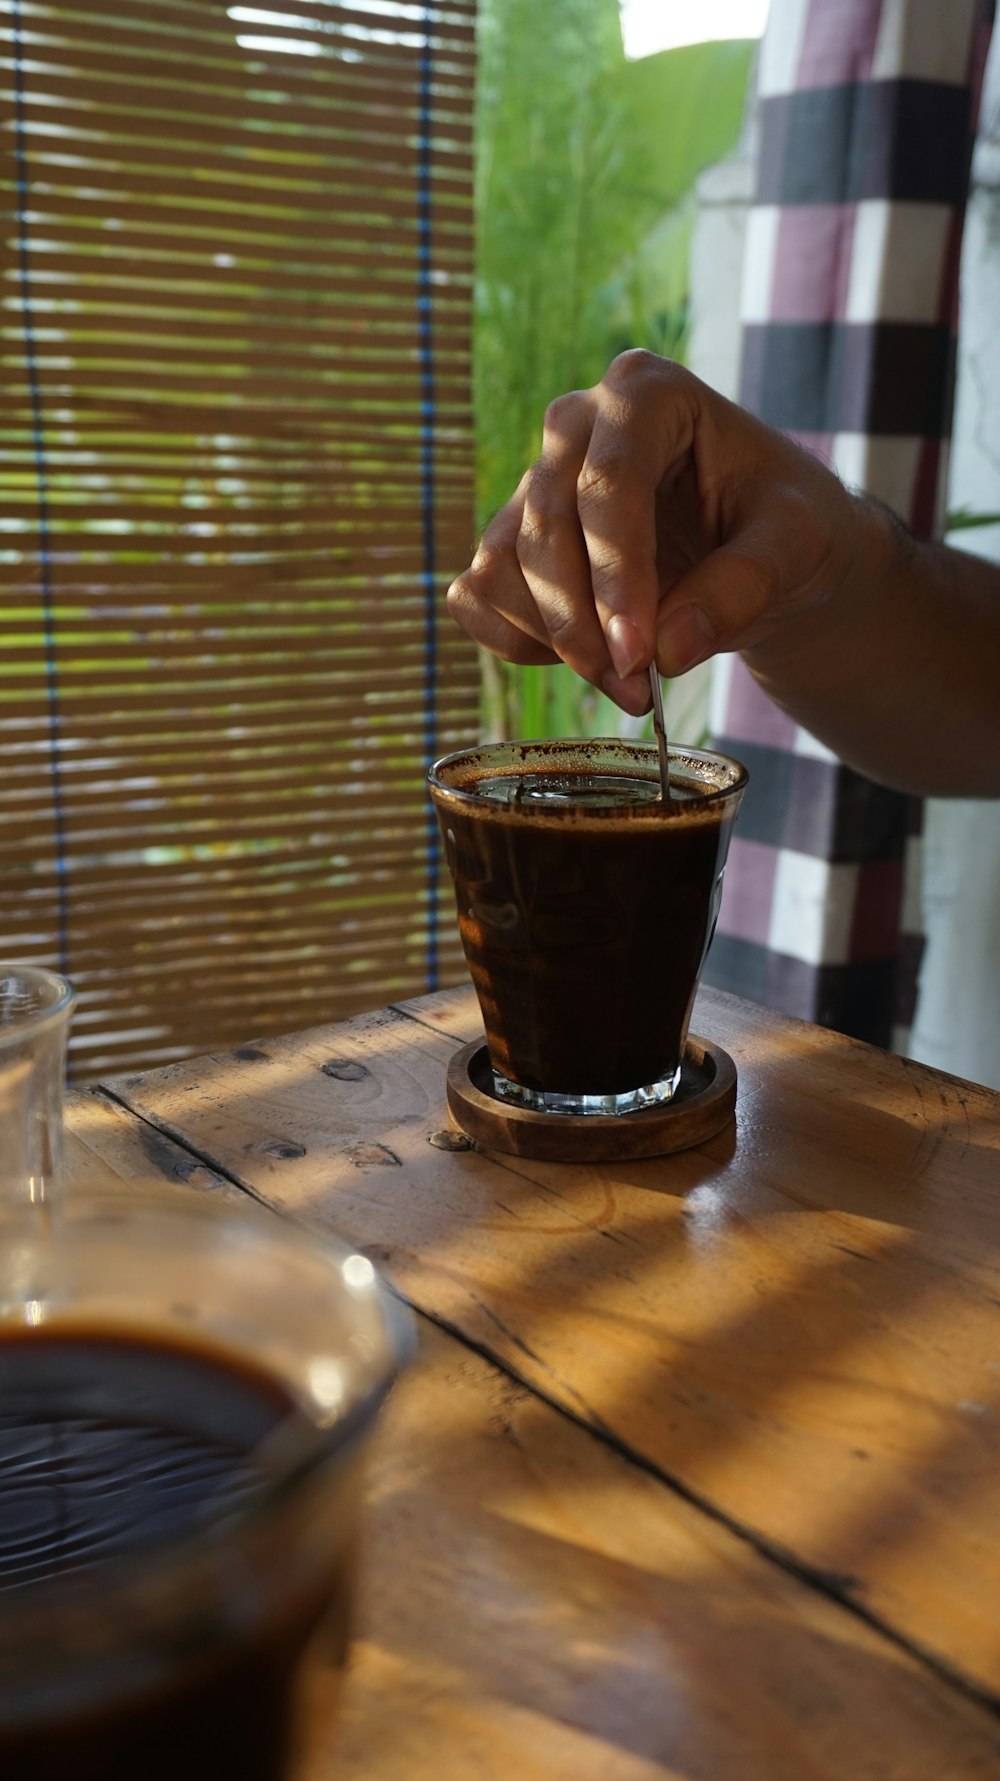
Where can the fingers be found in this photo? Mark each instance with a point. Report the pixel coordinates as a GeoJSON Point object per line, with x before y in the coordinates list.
{"type": "Point", "coordinates": [551, 550]}
{"type": "Point", "coordinates": [788, 550]}
{"type": "Point", "coordinates": [527, 594]}
{"type": "Point", "coordinates": [640, 446]}
{"type": "Point", "coordinates": [588, 542]}
{"type": "Point", "coordinates": [726, 602]}
{"type": "Point", "coordinates": [495, 632]}
{"type": "Point", "coordinates": [491, 600]}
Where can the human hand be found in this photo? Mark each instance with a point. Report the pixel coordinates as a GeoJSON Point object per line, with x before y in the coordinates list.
{"type": "Point", "coordinates": [658, 519]}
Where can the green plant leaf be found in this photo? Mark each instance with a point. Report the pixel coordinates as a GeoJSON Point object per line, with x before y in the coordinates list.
{"type": "Point", "coordinates": [585, 168]}
{"type": "Point", "coordinates": [962, 519]}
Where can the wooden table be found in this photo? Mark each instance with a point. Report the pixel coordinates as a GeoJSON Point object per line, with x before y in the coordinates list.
{"type": "Point", "coordinates": [699, 1476]}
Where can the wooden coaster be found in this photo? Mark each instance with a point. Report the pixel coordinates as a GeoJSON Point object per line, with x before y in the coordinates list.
{"type": "Point", "coordinates": [703, 1104]}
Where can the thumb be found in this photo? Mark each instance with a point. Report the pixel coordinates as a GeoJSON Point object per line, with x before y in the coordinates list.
{"type": "Point", "coordinates": [729, 601]}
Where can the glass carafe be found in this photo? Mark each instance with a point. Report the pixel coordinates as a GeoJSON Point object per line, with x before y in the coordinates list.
{"type": "Point", "coordinates": [168, 1646]}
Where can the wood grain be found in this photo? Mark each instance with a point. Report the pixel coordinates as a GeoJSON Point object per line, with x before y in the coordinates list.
{"type": "Point", "coordinates": [532, 1604]}
{"type": "Point", "coordinates": [702, 1105]}
{"type": "Point", "coordinates": [799, 1322]}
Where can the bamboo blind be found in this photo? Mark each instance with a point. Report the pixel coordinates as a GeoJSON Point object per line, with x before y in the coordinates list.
{"type": "Point", "coordinates": [236, 476]}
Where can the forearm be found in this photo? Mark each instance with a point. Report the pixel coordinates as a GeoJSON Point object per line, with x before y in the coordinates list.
{"type": "Point", "coordinates": [899, 670]}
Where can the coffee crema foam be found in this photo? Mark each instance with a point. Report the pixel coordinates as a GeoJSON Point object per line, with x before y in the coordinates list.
{"type": "Point", "coordinates": [580, 792]}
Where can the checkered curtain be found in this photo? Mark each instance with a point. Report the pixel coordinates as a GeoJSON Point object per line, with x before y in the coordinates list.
{"type": "Point", "coordinates": [866, 117]}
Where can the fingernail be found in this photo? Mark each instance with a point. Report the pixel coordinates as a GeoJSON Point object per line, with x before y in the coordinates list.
{"type": "Point", "coordinates": [625, 645]}
{"type": "Point", "coordinates": [684, 638]}
{"type": "Point", "coordinates": [630, 693]}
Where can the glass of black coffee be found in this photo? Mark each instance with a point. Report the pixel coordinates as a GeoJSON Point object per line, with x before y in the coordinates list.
{"type": "Point", "coordinates": [586, 906]}
{"type": "Point", "coordinates": [187, 1387]}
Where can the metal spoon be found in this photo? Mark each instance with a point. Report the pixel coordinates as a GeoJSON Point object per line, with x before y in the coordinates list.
{"type": "Point", "coordinates": [659, 730]}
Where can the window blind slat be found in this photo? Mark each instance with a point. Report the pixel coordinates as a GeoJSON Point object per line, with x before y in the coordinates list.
{"type": "Point", "coordinates": [251, 116]}
{"type": "Point", "coordinates": [261, 244]}
{"type": "Point", "coordinates": [236, 479]}
{"type": "Point", "coordinates": [220, 64]}
{"type": "Point", "coordinates": [121, 877]}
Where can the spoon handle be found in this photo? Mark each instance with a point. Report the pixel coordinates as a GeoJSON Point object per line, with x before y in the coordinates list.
{"type": "Point", "coordinates": [659, 730]}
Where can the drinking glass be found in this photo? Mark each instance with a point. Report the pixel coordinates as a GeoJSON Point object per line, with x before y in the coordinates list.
{"type": "Point", "coordinates": [586, 905]}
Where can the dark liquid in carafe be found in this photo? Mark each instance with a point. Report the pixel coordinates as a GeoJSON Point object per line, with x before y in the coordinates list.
{"type": "Point", "coordinates": [110, 1444]}
{"type": "Point", "coordinates": [585, 934]}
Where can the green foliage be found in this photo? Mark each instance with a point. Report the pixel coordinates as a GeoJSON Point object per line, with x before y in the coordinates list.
{"type": "Point", "coordinates": [585, 169]}
{"type": "Point", "coordinates": [962, 519]}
